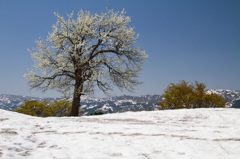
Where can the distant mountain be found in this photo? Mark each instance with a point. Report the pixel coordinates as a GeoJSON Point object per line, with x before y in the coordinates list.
{"type": "Point", "coordinates": [230, 95]}
{"type": "Point", "coordinates": [120, 104]}
{"type": "Point", "coordinates": [11, 102]}
{"type": "Point", "coordinates": [91, 105]}
{"type": "Point", "coordinates": [236, 104]}
{"type": "Point", "coordinates": [124, 103]}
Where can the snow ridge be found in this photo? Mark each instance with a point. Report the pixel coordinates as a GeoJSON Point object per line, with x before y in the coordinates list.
{"type": "Point", "coordinates": [195, 133]}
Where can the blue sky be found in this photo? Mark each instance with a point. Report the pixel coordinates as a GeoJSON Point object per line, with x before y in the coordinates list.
{"type": "Point", "coordinates": [185, 40]}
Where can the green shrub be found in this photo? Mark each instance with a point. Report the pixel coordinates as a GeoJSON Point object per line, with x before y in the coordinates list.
{"type": "Point", "coordinates": [183, 95]}
{"type": "Point", "coordinates": [45, 108]}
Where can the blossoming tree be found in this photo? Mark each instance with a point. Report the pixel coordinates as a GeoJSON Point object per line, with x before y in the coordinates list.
{"type": "Point", "coordinates": [91, 50]}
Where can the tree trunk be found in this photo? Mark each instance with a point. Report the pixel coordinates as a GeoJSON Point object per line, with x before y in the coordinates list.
{"type": "Point", "coordinates": [76, 94]}
{"type": "Point", "coordinates": [75, 103]}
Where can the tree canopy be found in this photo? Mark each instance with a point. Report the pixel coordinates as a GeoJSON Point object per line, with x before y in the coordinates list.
{"type": "Point", "coordinates": [182, 95]}
{"type": "Point", "coordinates": [91, 50]}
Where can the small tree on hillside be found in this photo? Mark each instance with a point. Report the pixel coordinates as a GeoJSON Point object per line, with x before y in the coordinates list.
{"type": "Point", "coordinates": [45, 108]}
{"type": "Point", "coordinates": [177, 96]}
{"type": "Point", "coordinates": [34, 108]}
{"type": "Point", "coordinates": [91, 50]}
{"type": "Point", "coordinates": [214, 101]}
{"type": "Point", "coordinates": [199, 95]}
{"type": "Point", "coordinates": [183, 95]}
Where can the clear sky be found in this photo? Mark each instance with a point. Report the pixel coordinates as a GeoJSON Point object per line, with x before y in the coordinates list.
{"type": "Point", "coordinates": [185, 40]}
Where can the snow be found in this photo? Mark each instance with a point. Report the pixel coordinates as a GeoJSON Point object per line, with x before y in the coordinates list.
{"type": "Point", "coordinates": [182, 134]}
{"type": "Point", "coordinates": [107, 107]}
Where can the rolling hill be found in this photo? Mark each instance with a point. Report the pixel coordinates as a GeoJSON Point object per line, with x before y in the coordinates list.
{"type": "Point", "coordinates": [186, 133]}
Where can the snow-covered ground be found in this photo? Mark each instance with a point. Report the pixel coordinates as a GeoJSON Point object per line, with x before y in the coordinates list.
{"type": "Point", "coordinates": [169, 134]}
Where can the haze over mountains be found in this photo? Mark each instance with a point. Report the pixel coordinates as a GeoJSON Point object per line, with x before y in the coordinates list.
{"type": "Point", "coordinates": [116, 104]}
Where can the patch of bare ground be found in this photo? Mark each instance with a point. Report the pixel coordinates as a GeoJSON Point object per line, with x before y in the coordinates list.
{"type": "Point", "coordinates": [182, 137]}
{"type": "Point", "coordinates": [8, 131]}
{"type": "Point", "coordinates": [145, 155]}
{"type": "Point", "coordinates": [130, 120]}
{"type": "Point", "coordinates": [1, 154]}
{"type": "Point", "coordinates": [227, 139]}
{"type": "Point", "coordinates": [25, 153]}
{"type": "Point", "coordinates": [3, 119]}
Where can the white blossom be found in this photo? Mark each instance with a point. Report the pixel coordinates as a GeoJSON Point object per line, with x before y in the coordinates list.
{"type": "Point", "coordinates": [91, 50]}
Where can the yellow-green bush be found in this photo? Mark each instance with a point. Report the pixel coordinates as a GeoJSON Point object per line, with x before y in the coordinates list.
{"type": "Point", "coordinates": [45, 108]}
{"type": "Point", "coordinates": [183, 95]}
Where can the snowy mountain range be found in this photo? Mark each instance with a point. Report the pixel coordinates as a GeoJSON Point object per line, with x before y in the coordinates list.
{"type": "Point", "coordinates": [11, 102]}
{"type": "Point", "coordinates": [120, 104]}
{"type": "Point", "coordinates": [124, 103]}
{"type": "Point", "coordinates": [232, 96]}
{"type": "Point", "coordinates": [90, 105]}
